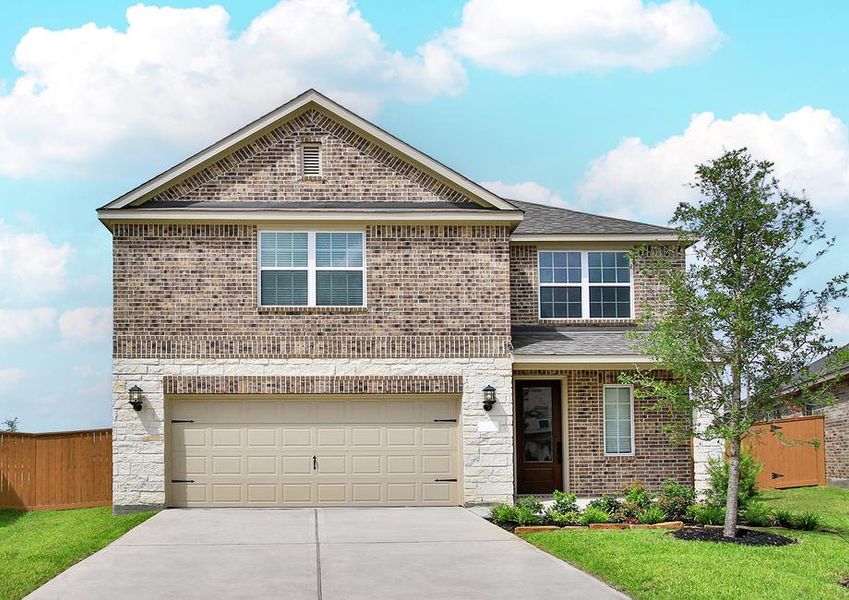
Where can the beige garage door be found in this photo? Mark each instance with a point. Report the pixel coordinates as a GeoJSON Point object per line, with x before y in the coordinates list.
{"type": "Point", "coordinates": [389, 451]}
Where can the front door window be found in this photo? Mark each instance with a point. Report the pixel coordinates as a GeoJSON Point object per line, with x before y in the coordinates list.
{"type": "Point", "coordinates": [537, 418]}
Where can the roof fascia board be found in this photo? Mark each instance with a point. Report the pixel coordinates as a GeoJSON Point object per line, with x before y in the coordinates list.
{"type": "Point", "coordinates": [579, 360]}
{"type": "Point", "coordinates": [593, 237]}
{"type": "Point", "coordinates": [194, 215]}
{"type": "Point", "coordinates": [301, 102]}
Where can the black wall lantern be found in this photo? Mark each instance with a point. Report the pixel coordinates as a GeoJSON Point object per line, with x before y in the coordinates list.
{"type": "Point", "coordinates": [488, 397]}
{"type": "Point", "coordinates": [136, 397]}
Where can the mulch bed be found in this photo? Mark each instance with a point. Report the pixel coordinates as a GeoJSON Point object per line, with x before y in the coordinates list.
{"type": "Point", "coordinates": [749, 537]}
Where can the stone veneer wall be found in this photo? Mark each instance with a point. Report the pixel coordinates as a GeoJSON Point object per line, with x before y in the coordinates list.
{"type": "Point", "coordinates": [138, 445]}
{"type": "Point", "coordinates": [524, 286]}
{"type": "Point", "coordinates": [590, 472]}
{"type": "Point", "coordinates": [186, 291]}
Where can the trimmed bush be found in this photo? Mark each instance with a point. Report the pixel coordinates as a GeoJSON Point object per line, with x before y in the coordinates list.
{"type": "Point", "coordinates": [606, 503]}
{"type": "Point", "coordinates": [675, 499]}
{"type": "Point", "coordinates": [565, 503]}
{"type": "Point", "coordinates": [718, 474]}
{"type": "Point", "coordinates": [651, 515]}
{"type": "Point", "coordinates": [502, 513]}
{"type": "Point", "coordinates": [594, 515]}
{"type": "Point", "coordinates": [757, 514]}
{"type": "Point", "coordinates": [529, 511]}
{"type": "Point", "coordinates": [707, 514]}
{"type": "Point", "coordinates": [562, 519]}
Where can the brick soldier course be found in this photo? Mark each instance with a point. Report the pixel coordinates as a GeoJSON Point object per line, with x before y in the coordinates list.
{"type": "Point", "coordinates": [445, 282]}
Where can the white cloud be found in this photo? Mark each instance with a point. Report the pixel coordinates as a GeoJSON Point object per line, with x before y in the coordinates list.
{"type": "Point", "coordinates": [17, 325]}
{"type": "Point", "coordinates": [177, 76]}
{"type": "Point", "coordinates": [836, 325]}
{"type": "Point", "coordinates": [529, 191]}
{"type": "Point", "coordinates": [810, 149]}
{"type": "Point", "coordinates": [556, 36]}
{"type": "Point", "coordinates": [10, 376]}
{"type": "Point", "coordinates": [30, 264]}
{"type": "Point", "coordinates": [86, 324]}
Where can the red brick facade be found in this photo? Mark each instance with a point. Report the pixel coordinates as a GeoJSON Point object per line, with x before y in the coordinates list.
{"type": "Point", "coordinates": [344, 384]}
{"type": "Point", "coordinates": [191, 290]}
{"type": "Point", "coordinates": [589, 471]}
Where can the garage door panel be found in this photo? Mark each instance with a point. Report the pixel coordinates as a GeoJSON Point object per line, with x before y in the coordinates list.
{"type": "Point", "coordinates": [368, 452]}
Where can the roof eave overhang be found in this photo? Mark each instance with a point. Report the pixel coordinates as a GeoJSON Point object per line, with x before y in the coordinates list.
{"type": "Point", "coordinates": [583, 361]}
{"type": "Point", "coordinates": [136, 215]}
{"type": "Point", "coordinates": [600, 237]}
{"type": "Point", "coordinates": [291, 108]}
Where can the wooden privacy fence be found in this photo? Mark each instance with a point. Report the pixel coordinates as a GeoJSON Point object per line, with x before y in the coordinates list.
{"type": "Point", "coordinates": [788, 461]}
{"type": "Point", "coordinates": [70, 469]}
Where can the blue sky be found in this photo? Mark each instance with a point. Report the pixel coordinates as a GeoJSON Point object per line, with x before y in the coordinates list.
{"type": "Point", "coordinates": [604, 108]}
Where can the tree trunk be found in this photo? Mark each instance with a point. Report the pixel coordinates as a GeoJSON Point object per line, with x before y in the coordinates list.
{"type": "Point", "coordinates": [731, 502]}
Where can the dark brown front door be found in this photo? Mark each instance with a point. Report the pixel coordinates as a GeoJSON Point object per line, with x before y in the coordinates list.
{"type": "Point", "coordinates": [539, 443]}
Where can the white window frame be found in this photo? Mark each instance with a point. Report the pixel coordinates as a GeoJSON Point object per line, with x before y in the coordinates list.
{"type": "Point", "coordinates": [630, 389]}
{"type": "Point", "coordinates": [585, 286]}
{"type": "Point", "coordinates": [311, 269]}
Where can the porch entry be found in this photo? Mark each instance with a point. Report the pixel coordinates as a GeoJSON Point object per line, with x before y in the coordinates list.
{"type": "Point", "coordinates": [539, 437]}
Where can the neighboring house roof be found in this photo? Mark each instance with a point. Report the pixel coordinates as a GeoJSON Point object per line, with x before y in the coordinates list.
{"type": "Point", "coordinates": [542, 220]}
{"type": "Point", "coordinates": [823, 370]}
{"type": "Point", "coordinates": [310, 98]}
{"type": "Point", "coordinates": [574, 341]}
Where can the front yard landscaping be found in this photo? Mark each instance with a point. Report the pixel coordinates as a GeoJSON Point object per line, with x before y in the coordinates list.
{"type": "Point", "coordinates": [37, 546]}
{"type": "Point", "coordinates": [650, 563]}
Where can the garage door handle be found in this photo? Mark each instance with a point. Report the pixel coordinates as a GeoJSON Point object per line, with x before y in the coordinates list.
{"type": "Point", "coordinates": [441, 480]}
{"type": "Point", "coordinates": [314, 463]}
{"type": "Point", "coordinates": [445, 420]}
{"type": "Point", "coordinates": [182, 481]}
{"type": "Point", "coordinates": [182, 421]}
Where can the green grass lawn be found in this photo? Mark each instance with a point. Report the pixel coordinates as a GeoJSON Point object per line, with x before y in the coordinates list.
{"type": "Point", "coordinates": [831, 503]}
{"type": "Point", "coordinates": [653, 564]}
{"type": "Point", "coordinates": [37, 546]}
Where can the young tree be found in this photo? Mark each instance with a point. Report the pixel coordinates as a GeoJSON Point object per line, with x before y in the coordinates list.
{"type": "Point", "coordinates": [11, 425]}
{"type": "Point", "coordinates": [736, 329]}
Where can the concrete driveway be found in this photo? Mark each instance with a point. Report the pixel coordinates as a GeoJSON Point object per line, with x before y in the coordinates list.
{"type": "Point", "coordinates": [329, 554]}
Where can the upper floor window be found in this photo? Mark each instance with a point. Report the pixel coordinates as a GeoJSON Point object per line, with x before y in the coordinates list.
{"type": "Point", "coordinates": [307, 268]}
{"type": "Point", "coordinates": [585, 284]}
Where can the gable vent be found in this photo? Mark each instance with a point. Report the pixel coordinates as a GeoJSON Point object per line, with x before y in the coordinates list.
{"type": "Point", "coordinates": [311, 160]}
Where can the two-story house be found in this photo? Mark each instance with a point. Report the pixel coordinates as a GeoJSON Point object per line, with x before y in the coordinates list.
{"type": "Point", "coordinates": [310, 312]}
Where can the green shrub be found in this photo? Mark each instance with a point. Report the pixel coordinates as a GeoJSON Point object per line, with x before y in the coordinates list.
{"type": "Point", "coordinates": [708, 514]}
{"type": "Point", "coordinates": [807, 521]}
{"type": "Point", "coordinates": [529, 511]}
{"type": "Point", "coordinates": [637, 494]}
{"type": "Point", "coordinates": [651, 515]}
{"type": "Point", "coordinates": [757, 514]}
{"type": "Point", "coordinates": [502, 513]}
{"type": "Point", "coordinates": [565, 503]}
{"type": "Point", "coordinates": [718, 474]}
{"type": "Point", "coordinates": [784, 518]}
{"type": "Point", "coordinates": [572, 517]}
{"type": "Point", "coordinates": [675, 499]}
{"type": "Point", "coordinates": [595, 514]}
{"type": "Point", "coordinates": [606, 503]}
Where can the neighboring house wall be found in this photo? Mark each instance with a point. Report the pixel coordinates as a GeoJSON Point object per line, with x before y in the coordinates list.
{"type": "Point", "coordinates": [524, 284]}
{"type": "Point", "coordinates": [590, 472]}
{"type": "Point", "coordinates": [837, 434]}
{"type": "Point", "coordinates": [191, 291]}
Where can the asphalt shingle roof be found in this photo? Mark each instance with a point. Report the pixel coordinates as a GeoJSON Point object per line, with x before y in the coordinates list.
{"type": "Point", "coordinates": [572, 340]}
{"type": "Point", "coordinates": [541, 219]}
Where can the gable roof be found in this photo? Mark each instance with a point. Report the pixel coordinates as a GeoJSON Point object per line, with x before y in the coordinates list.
{"type": "Point", "coordinates": [542, 220]}
{"type": "Point", "coordinates": [310, 98]}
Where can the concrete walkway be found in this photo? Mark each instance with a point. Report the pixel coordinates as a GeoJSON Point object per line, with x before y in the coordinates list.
{"type": "Point", "coordinates": [324, 554]}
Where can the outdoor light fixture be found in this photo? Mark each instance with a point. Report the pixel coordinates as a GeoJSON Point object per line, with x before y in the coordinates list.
{"type": "Point", "coordinates": [488, 397]}
{"type": "Point", "coordinates": [136, 397]}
